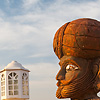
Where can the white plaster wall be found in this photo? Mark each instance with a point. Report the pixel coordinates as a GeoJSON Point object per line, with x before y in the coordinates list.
{"type": "Point", "coordinates": [15, 99]}
{"type": "Point", "coordinates": [4, 97]}
{"type": "Point", "coordinates": [20, 92]}
{"type": "Point", "coordinates": [25, 96]}
{"type": "Point", "coordinates": [7, 92]}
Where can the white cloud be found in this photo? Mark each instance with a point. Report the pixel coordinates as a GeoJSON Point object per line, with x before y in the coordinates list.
{"type": "Point", "coordinates": [8, 1]}
{"type": "Point", "coordinates": [15, 36]}
{"type": "Point", "coordinates": [35, 30]}
{"type": "Point", "coordinates": [40, 55]}
{"type": "Point", "coordinates": [29, 3]}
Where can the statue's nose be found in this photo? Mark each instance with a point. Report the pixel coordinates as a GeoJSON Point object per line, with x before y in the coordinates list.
{"type": "Point", "coordinates": [61, 75]}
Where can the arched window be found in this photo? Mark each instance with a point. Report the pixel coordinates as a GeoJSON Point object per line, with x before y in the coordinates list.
{"type": "Point", "coordinates": [25, 84]}
{"type": "Point", "coordinates": [13, 83]}
{"type": "Point", "coordinates": [2, 85]}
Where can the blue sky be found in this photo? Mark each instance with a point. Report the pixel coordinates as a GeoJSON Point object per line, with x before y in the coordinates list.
{"type": "Point", "coordinates": [27, 28]}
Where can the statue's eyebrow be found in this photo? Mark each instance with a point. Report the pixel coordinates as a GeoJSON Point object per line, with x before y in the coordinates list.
{"type": "Point", "coordinates": [68, 61]}
{"type": "Point", "coordinates": [59, 63]}
{"type": "Point", "coordinates": [65, 61]}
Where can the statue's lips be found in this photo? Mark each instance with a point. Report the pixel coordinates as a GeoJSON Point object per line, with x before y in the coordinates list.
{"type": "Point", "coordinates": [63, 83]}
{"type": "Point", "coordinates": [58, 84]}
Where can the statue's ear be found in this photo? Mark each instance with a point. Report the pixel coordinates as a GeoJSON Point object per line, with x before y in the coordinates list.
{"type": "Point", "coordinates": [99, 71]}
{"type": "Point", "coordinates": [96, 71]}
{"type": "Point", "coordinates": [98, 79]}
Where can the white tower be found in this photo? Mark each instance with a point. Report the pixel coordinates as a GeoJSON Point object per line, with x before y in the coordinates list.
{"type": "Point", "coordinates": [14, 82]}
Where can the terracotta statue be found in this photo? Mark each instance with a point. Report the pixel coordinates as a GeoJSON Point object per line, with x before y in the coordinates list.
{"type": "Point", "coordinates": [77, 45]}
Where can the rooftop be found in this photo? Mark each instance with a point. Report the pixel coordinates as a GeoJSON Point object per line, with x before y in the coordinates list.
{"type": "Point", "coordinates": [14, 65]}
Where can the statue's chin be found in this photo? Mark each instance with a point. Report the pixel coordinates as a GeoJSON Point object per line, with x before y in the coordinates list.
{"type": "Point", "coordinates": [73, 90]}
{"type": "Point", "coordinates": [58, 92]}
{"type": "Point", "coordinates": [62, 92]}
{"type": "Point", "coordinates": [68, 92]}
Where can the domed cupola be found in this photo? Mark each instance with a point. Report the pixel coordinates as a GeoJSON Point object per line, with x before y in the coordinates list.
{"type": "Point", "coordinates": [14, 82]}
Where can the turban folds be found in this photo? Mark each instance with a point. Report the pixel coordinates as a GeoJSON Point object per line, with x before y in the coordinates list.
{"type": "Point", "coordinates": [79, 38]}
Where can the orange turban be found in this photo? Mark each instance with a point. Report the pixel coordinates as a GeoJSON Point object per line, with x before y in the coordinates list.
{"type": "Point", "coordinates": [79, 38]}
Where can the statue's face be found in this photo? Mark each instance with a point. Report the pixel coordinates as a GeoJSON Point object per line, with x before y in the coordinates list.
{"type": "Point", "coordinates": [74, 78]}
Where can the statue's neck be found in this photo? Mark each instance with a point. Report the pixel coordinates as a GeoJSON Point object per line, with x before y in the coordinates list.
{"type": "Point", "coordinates": [86, 99]}
{"type": "Point", "coordinates": [93, 97]}
{"type": "Point", "coordinates": [88, 96]}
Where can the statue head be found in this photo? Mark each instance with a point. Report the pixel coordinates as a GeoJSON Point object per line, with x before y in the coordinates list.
{"type": "Point", "coordinates": [77, 45]}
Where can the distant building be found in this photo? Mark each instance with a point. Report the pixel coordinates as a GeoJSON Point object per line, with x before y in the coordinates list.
{"type": "Point", "coordinates": [14, 82]}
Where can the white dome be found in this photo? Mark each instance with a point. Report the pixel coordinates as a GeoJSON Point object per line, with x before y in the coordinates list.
{"type": "Point", "coordinates": [15, 65]}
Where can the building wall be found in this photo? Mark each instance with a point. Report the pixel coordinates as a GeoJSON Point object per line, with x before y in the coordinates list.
{"type": "Point", "coordinates": [15, 99]}
{"type": "Point", "coordinates": [7, 90]}
{"type": "Point", "coordinates": [20, 87]}
{"type": "Point", "coordinates": [4, 96]}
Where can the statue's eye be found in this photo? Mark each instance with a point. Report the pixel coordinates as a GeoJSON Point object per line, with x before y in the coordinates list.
{"type": "Point", "coordinates": [71, 67]}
